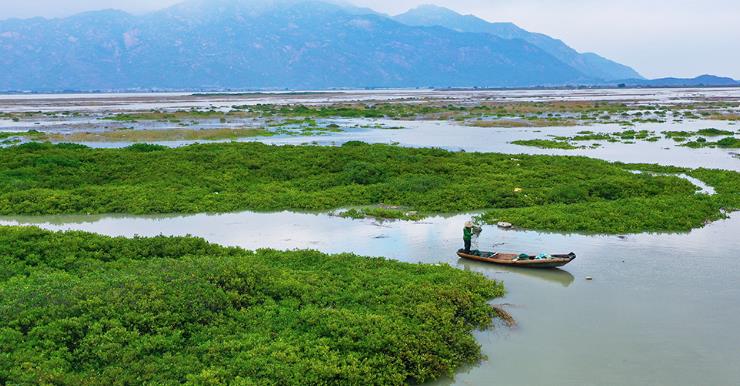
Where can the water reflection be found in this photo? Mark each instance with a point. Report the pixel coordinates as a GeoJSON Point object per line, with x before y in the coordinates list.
{"type": "Point", "coordinates": [556, 275]}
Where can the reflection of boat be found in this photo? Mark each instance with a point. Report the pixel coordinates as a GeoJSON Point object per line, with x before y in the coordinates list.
{"type": "Point", "coordinates": [516, 260]}
{"type": "Point", "coordinates": [554, 275]}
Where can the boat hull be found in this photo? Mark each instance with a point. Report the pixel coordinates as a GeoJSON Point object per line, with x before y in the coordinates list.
{"type": "Point", "coordinates": [509, 259]}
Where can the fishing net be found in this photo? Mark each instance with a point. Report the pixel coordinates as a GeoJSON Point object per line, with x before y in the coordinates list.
{"type": "Point", "coordinates": [474, 238]}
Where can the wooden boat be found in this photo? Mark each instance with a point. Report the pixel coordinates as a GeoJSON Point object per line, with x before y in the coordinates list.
{"type": "Point", "coordinates": [512, 259]}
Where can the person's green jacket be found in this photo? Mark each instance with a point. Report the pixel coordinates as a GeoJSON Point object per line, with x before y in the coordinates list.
{"type": "Point", "coordinates": [467, 234]}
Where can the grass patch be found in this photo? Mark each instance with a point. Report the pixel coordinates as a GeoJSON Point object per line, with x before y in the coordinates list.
{"type": "Point", "coordinates": [545, 144]}
{"type": "Point", "coordinates": [725, 143]}
{"type": "Point", "coordinates": [78, 308]}
{"type": "Point", "coordinates": [38, 178]}
{"type": "Point", "coordinates": [669, 214]}
{"type": "Point", "coordinates": [381, 213]}
{"type": "Point", "coordinates": [174, 116]}
{"type": "Point", "coordinates": [591, 137]}
{"type": "Point", "coordinates": [30, 134]}
{"type": "Point", "coordinates": [711, 132]}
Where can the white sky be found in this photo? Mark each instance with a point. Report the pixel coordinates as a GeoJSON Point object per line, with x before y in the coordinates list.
{"type": "Point", "coordinates": [659, 38]}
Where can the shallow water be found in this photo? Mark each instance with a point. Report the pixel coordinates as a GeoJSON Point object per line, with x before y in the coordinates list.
{"type": "Point", "coordinates": [455, 137]}
{"type": "Point", "coordinates": [442, 134]}
{"type": "Point", "coordinates": [662, 309]}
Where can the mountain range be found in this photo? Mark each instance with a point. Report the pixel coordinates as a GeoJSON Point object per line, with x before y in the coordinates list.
{"type": "Point", "coordinates": [279, 44]}
{"type": "Point", "coordinates": [591, 65]}
{"type": "Point", "coordinates": [699, 81]}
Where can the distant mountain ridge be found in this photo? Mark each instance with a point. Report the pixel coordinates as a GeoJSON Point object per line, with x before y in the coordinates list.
{"type": "Point", "coordinates": [699, 81]}
{"type": "Point", "coordinates": [234, 44]}
{"type": "Point", "coordinates": [590, 64]}
{"type": "Point", "coordinates": [280, 44]}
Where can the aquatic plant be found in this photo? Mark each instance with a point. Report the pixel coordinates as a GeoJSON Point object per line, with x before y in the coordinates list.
{"type": "Point", "coordinates": [39, 178]}
{"type": "Point", "coordinates": [381, 213]}
{"type": "Point", "coordinates": [724, 143]}
{"type": "Point", "coordinates": [78, 308]}
{"type": "Point", "coordinates": [630, 215]}
{"type": "Point", "coordinates": [712, 132]}
{"type": "Point", "coordinates": [545, 144]}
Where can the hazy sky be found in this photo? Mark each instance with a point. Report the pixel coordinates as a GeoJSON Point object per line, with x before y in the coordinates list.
{"type": "Point", "coordinates": [657, 37]}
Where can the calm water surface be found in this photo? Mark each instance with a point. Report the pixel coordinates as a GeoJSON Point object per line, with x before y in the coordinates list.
{"type": "Point", "coordinates": [661, 310]}
{"type": "Point", "coordinates": [452, 136]}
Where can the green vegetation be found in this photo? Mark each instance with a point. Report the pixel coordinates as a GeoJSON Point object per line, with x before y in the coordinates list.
{"type": "Point", "coordinates": [30, 134]}
{"type": "Point", "coordinates": [307, 127]}
{"type": "Point", "coordinates": [626, 215]}
{"type": "Point", "coordinates": [672, 213]}
{"type": "Point", "coordinates": [382, 213]}
{"type": "Point", "coordinates": [711, 132]}
{"type": "Point", "coordinates": [175, 116]}
{"type": "Point", "coordinates": [682, 136]}
{"type": "Point", "coordinates": [545, 144]}
{"type": "Point", "coordinates": [591, 137]}
{"type": "Point", "coordinates": [726, 183]}
{"type": "Point", "coordinates": [724, 143]}
{"type": "Point", "coordinates": [40, 178]}
{"type": "Point", "coordinates": [631, 136]}
{"type": "Point", "coordinates": [484, 114]}
{"type": "Point", "coordinates": [77, 308]}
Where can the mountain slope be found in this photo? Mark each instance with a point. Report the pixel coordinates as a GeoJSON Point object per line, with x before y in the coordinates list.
{"type": "Point", "coordinates": [699, 81]}
{"type": "Point", "coordinates": [590, 64]}
{"type": "Point", "coordinates": [261, 44]}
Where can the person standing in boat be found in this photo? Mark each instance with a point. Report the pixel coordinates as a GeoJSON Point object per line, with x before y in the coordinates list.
{"type": "Point", "coordinates": [468, 235]}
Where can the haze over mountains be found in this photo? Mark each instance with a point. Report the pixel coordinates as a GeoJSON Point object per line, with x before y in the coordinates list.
{"type": "Point", "coordinates": [294, 44]}
{"type": "Point", "coordinates": [589, 64]}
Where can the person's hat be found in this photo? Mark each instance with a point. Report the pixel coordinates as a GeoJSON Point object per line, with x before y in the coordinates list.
{"type": "Point", "coordinates": [469, 224]}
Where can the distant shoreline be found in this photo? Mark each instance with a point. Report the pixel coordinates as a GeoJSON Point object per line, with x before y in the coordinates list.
{"type": "Point", "coordinates": [247, 92]}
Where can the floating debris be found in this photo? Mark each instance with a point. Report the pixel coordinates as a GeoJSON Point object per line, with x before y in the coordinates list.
{"type": "Point", "coordinates": [504, 315]}
{"type": "Point", "coordinates": [505, 225]}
